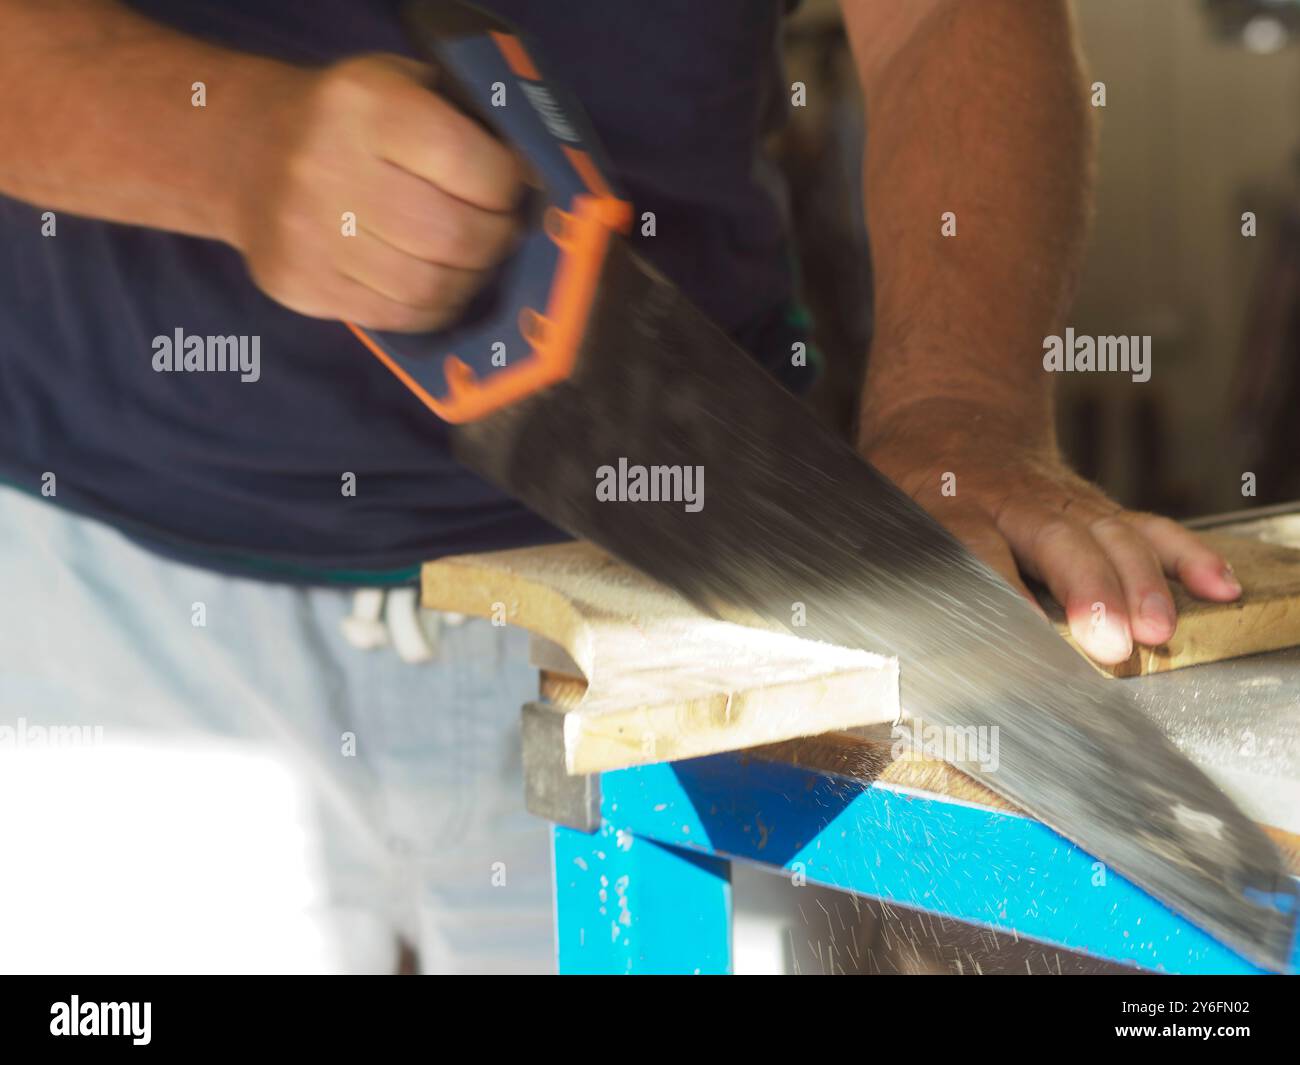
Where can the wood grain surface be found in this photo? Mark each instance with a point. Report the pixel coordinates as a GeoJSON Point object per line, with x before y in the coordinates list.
{"type": "Point", "coordinates": [664, 681]}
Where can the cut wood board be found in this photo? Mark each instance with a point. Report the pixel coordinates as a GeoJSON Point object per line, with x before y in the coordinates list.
{"type": "Point", "coordinates": [868, 757]}
{"type": "Point", "coordinates": [1265, 618]}
{"type": "Point", "coordinates": [667, 681]}
{"type": "Point", "coordinates": [664, 681]}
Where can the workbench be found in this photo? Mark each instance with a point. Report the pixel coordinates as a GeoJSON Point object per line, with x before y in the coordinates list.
{"type": "Point", "coordinates": [643, 854]}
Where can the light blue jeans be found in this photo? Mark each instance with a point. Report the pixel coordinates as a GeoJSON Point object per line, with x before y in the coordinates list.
{"type": "Point", "coordinates": [199, 773]}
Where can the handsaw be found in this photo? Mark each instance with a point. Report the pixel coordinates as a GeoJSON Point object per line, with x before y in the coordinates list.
{"type": "Point", "coordinates": [583, 355]}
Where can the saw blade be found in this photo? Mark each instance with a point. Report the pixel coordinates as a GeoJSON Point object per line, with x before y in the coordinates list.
{"type": "Point", "coordinates": [794, 521]}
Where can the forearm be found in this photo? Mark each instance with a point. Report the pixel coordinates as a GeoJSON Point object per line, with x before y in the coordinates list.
{"type": "Point", "coordinates": [982, 114]}
{"type": "Point", "coordinates": [98, 118]}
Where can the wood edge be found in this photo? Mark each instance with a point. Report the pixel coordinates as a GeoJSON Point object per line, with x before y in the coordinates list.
{"type": "Point", "coordinates": [614, 737]}
{"type": "Point", "coordinates": [606, 729]}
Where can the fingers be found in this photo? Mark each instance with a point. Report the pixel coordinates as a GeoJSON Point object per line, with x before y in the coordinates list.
{"type": "Point", "coordinates": [427, 223]}
{"type": "Point", "coordinates": [1108, 569]}
{"type": "Point", "coordinates": [426, 295]}
{"type": "Point", "coordinates": [421, 248]}
{"type": "Point", "coordinates": [426, 136]}
{"type": "Point", "coordinates": [1205, 573]}
{"type": "Point", "coordinates": [1082, 577]}
{"type": "Point", "coordinates": [1147, 598]}
{"type": "Point", "coordinates": [374, 310]}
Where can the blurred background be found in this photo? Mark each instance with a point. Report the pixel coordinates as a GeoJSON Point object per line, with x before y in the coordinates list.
{"type": "Point", "coordinates": [1201, 124]}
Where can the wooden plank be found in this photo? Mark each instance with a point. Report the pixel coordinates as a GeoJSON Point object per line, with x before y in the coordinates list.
{"type": "Point", "coordinates": [1265, 618]}
{"type": "Point", "coordinates": [670, 682]}
{"type": "Point", "coordinates": [867, 757]}
{"type": "Point", "coordinates": [664, 681]}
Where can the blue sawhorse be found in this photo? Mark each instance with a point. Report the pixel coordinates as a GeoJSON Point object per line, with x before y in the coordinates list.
{"type": "Point", "coordinates": [650, 890]}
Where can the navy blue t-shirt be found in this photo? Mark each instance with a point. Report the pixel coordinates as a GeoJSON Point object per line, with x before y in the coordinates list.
{"type": "Point", "coordinates": [247, 477]}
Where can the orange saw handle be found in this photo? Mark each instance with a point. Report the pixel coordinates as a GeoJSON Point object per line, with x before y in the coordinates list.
{"type": "Point", "coordinates": [523, 333]}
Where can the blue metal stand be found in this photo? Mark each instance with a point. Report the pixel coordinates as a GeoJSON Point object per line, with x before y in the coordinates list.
{"type": "Point", "coordinates": [629, 905]}
{"type": "Point", "coordinates": [650, 891]}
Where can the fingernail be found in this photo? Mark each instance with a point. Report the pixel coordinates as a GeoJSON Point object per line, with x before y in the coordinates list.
{"type": "Point", "coordinates": [1114, 641]}
{"type": "Point", "coordinates": [1230, 580]}
{"type": "Point", "coordinates": [1157, 608]}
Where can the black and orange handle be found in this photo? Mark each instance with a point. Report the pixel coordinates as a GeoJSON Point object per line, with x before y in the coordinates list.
{"type": "Point", "coordinates": [524, 333]}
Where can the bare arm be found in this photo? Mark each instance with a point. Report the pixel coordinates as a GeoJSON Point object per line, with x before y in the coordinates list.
{"type": "Point", "coordinates": [98, 119]}
{"type": "Point", "coordinates": [979, 108]}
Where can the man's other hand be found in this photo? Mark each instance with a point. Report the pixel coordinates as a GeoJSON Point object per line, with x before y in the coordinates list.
{"type": "Point", "coordinates": [1019, 508]}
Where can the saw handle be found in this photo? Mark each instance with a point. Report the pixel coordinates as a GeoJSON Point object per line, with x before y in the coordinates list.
{"type": "Point", "coordinates": [524, 332]}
